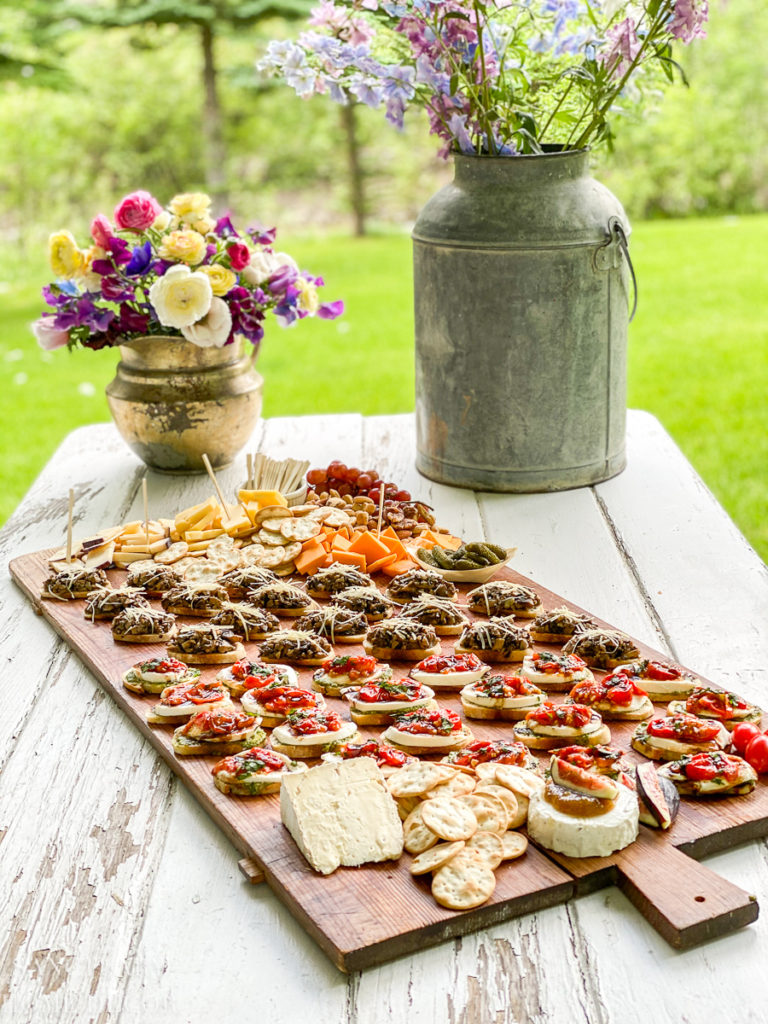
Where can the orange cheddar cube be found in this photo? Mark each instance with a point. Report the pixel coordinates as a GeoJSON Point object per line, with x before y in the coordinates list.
{"type": "Point", "coordinates": [382, 563]}
{"type": "Point", "coordinates": [351, 558]}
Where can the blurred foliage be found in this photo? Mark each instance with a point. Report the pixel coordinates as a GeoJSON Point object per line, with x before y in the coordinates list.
{"type": "Point", "coordinates": [131, 117]}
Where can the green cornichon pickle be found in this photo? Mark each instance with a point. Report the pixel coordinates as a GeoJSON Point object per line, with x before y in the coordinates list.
{"type": "Point", "coordinates": [498, 550]}
{"type": "Point", "coordinates": [465, 563]}
{"type": "Point", "coordinates": [426, 556]}
{"type": "Point", "coordinates": [442, 558]}
{"type": "Point", "coordinates": [487, 552]}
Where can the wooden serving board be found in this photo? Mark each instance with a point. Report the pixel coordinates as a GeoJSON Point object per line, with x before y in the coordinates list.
{"type": "Point", "coordinates": [365, 916]}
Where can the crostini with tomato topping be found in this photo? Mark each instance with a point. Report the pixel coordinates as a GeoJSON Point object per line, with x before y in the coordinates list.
{"type": "Point", "coordinates": [218, 731]}
{"type": "Point", "coordinates": [660, 680]}
{"type": "Point", "coordinates": [554, 672]}
{"type": "Point", "coordinates": [273, 702]}
{"type": "Point", "coordinates": [180, 702]}
{"type": "Point", "coordinates": [428, 731]}
{"type": "Point", "coordinates": [508, 698]}
{"type": "Point", "coordinates": [669, 737]}
{"type": "Point", "coordinates": [345, 670]}
{"type": "Point", "coordinates": [449, 671]}
{"type": "Point", "coordinates": [388, 758]}
{"type": "Point", "coordinates": [561, 725]}
{"type": "Point", "coordinates": [253, 675]}
{"type": "Point", "coordinates": [719, 706]}
{"type": "Point", "coordinates": [309, 733]}
{"type": "Point", "coordinates": [617, 698]}
{"type": "Point", "coordinates": [377, 703]}
{"type": "Point", "coordinates": [496, 751]}
{"type": "Point", "coordinates": [155, 674]}
{"type": "Point", "coordinates": [710, 774]}
{"type": "Point", "coordinates": [254, 772]}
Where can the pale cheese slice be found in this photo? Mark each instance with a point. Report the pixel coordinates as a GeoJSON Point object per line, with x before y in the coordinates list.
{"type": "Point", "coordinates": [341, 814]}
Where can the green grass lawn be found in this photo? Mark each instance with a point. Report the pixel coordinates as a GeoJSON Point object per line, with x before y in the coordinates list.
{"type": "Point", "coordinates": [698, 354]}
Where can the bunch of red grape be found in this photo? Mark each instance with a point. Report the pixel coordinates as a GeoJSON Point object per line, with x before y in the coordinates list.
{"type": "Point", "coordinates": [351, 480]}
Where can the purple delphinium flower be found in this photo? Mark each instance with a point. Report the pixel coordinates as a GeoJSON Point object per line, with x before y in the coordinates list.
{"type": "Point", "coordinates": [620, 48]}
{"type": "Point", "coordinates": [688, 20]}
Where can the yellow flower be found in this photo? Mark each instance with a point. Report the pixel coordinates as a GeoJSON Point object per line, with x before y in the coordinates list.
{"type": "Point", "coordinates": [308, 297]}
{"type": "Point", "coordinates": [161, 221]}
{"type": "Point", "coordinates": [190, 206]}
{"type": "Point", "coordinates": [181, 297]}
{"type": "Point", "coordinates": [203, 225]}
{"type": "Point", "coordinates": [85, 278]}
{"type": "Point", "coordinates": [66, 259]}
{"type": "Point", "coordinates": [186, 246]}
{"type": "Point", "coordinates": [221, 278]}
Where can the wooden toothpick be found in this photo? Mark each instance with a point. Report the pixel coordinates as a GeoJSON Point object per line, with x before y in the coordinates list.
{"type": "Point", "coordinates": [215, 482]}
{"type": "Point", "coordinates": [249, 463]}
{"type": "Point", "coordinates": [146, 509]}
{"type": "Point", "coordinates": [381, 509]}
{"type": "Point", "coordinates": [69, 524]}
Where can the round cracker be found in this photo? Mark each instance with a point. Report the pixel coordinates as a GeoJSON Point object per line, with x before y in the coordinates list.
{"type": "Point", "coordinates": [337, 518]}
{"type": "Point", "coordinates": [141, 564]}
{"type": "Point", "coordinates": [416, 778]}
{"type": "Point", "coordinates": [405, 804]}
{"type": "Point", "coordinates": [459, 785]}
{"type": "Point", "coordinates": [434, 858]}
{"type": "Point", "coordinates": [173, 553]}
{"type": "Point", "coordinates": [272, 525]}
{"type": "Point", "coordinates": [227, 562]}
{"type": "Point", "coordinates": [273, 557]}
{"type": "Point", "coordinates": [519, 780]}
{"type": "Point", "coordinates": [464, 882]}
{"type": "Point", "coordinates": [269, 539]}
{"type": "Point", "coordinates": [320, 512]}
{"type": "Point", "coordinates": [486, 771]}
{"type": "Point", "coordinates": [417, 837]}
{"type": "Point", "coordinates": [302, 510]}
{"type": "Point", "coordinates": [489, 845]}
{"type": "Point", "coordinates": [449, 818]}
{"type": "Point", "coordinates": [202, 572]}
{"type": "Point", "coordinates": [299, 529]}
{"type": "Point", "coordinates": [223, 544]}
{"type": "Point", "coordinates": [271, 512]}
{"type": "Point", "coordinates": [507, 797]}
{"type": "Point", "coordinates": [292, 550]}
{"type": "Point", "coordinates": [515, 844]}
{"type": "Point", "coordinates": [490, 812]}
{"type": "Point", "coordinates": [285, 569]}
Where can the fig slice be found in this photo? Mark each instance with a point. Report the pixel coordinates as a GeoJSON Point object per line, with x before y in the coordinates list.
{"type": "Point", "coordinates": [570, 776]}
{"type": "Point", "coordinates": [658, 796]}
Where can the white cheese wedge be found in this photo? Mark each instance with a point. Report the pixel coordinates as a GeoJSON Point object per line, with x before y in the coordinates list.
{"type": "Point", "coordinates": [409, 739]}
{"type": "Point", "coordinates": [341, 814]}
{"type": "Point", "coordinates": [572, 836]}
{"type": "Point", "coordinates": [283, 734]}
{"type": "Point", "coordinates": [448, 680]}
{"type": "Point", "coordinates": [529, 700]}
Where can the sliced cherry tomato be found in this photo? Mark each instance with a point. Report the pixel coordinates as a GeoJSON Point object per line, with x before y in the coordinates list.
{"type": "Point", "coordinates": [450, 663]}
{"type": "Point", "coordinates": [355, 666]}
{"type": "Point", "coordinates": [757, 753]}
{"type": "Point", "coordinates": [713, 765]}
{"type": "Point", "coordinates": [377, 693]}
{"type": "Point", "coordinates": [742, 735]}
{"type": "Point", "coordinates": [504, 687]}
{"type": "Point", "coordinates": [683, 727]}
{"type": "Point", "coordinates": [424, 721]}
{"type": "Point", "coordinates": [574, 716]}
{"type": "Point", "coordinates": [543, 661]}
{"type": "Point", "coordinates": [658, 670]}
{"type": "Point", "coordinates": [307, 723]}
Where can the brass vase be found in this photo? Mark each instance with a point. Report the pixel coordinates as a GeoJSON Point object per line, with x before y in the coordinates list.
{"type": "Point", "coordinates": [173, 401]}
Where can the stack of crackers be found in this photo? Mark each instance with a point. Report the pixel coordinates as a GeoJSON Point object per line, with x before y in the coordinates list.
{"type": "Point", "coordinates": [458, 823]}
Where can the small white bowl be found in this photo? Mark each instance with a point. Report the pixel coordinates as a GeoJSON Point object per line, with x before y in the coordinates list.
{"type": "Point", "coordinates": [482, 575]}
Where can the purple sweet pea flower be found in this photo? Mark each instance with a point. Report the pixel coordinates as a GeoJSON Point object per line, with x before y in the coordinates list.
{"type": "Point", "coordinates": [224, 227]}
{"type": "Point", "coordinates": [330, 310]}
{"type": "Point", "coordinates": [119, 250]}
{"type": "Point", "coordinates": [115, 290]}
{"type": "Point", "coordinates": [132, 321]}
{"type": "Point", "coordinates": [281, 280]}
{"type": "Point", "coordinates": [140, 260]}
{"type": "Point", "coordinates": [81, 312]}
{"type": "Point", "coordinates": [261, 235]}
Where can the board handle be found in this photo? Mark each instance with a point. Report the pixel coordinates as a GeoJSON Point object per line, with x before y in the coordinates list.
{"type": "Point", "coordinates": [684, 901]}
{"type": "Point", "coordinates": [252, 870]}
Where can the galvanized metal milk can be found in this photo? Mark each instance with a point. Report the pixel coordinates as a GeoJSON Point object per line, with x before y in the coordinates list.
{"type": "Point", "coordinates": [521, 298]}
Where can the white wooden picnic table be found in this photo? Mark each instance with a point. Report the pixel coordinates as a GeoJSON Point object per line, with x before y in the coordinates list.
{"type": "Point", "coordinates": [121, 902]}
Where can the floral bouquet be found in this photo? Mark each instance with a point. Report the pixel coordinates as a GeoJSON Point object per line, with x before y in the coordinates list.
{"type": "Point", "coordinates": [172, 272]}
{"type": "Point", "coordinates": [497, 77]}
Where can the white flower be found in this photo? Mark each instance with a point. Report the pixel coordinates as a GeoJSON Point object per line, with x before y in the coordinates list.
{"type": "Point", "coordinates": [263, 264]}
{"type": "Point", "coordinates": [213, 330]}
{"type": "Point", "coordinates": [181, 297]}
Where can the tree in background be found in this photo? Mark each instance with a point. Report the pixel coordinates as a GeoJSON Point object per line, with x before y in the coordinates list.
{"type": "Point", "coordinates": [206, 18]}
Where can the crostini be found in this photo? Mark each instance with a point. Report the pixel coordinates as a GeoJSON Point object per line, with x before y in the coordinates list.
{"type": "Point", "coordinates": [377, 703]}
{"type": "Point", "coordinates": [443, 615]}
{"type": "Point", "coordinates": [498, 639]}
{"type": "Point", "coordinates": [254, 772]}
{"type": "Point", "coordinates": [669, 737]}
{"type": "Point", "coordinates": [219, 731]}
{"type": "Point", "coordinates": [408, 585]}
{"type": "Point", "coordinates": [428, 731]}
{"type": "Point", "coordinates": [307, 734]}
{"type": "Point", "coordinates": [273, 702]}
{"type": "Point", "coordinates": [249, 675]}
{"type": "Point", "coordinates": [205, 644]}
{"type": "Point", "coordinates": [339, 673]}
{"type": "Point", "coordinates": [178, 703]}
{"type": "Point", "coordinates": [339, 625]}
{"type": "Point", "coordinates": [719, 706]}
{"type": "Point", "coordinates": [106, 602]}
{"type": "Point", "coordinates": [502, 597]}
{"type": "Point", "coordinates": [449, 671]}
{"type": "Point", "coordinates": [562, 725]}
{"type": "Point", "coordinates": [558, 625]}
{"type": "Point", "coordinates": [554, 672]}
{"type": "Point", "coordinates": [402, 639]}
{"type": "Point", "coordinates": [616, 698]}
{"type": "Point", "coordinates": [602, 648]}
{"type": "Point", "coordinates": [155, 674]}
{"type": "Point", "coordinates": [142, 626]}
{"type": "Point", "coordinates": [508, 698]}
{"type": "Point", "coordinates": [710, 774]}
{"type": "Point", "coordinates": [296, 645]}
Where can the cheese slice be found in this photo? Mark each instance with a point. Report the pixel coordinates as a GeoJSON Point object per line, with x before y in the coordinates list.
{"type": "Point", "coordinates": [341, 814]}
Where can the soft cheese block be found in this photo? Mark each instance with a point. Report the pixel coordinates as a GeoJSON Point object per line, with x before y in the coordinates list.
{"type": "Point", "coordinates": [342, 814]}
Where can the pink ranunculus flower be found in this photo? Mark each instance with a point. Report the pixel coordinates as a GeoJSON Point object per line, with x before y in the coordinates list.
{"type": "Point", "coordinates": [48, 336]}
{"type": "Point", "coordinates": [239, 255]}
{"type": "Point", "coordinates": [101, 231]}
{"type": "Point", "coordinates": [137, 211]}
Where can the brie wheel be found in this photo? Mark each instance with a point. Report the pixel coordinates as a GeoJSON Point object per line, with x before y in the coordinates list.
{"type": "Point", "coordinates": [282, 734]}
{"type": "Point", "coordinates": [572, 836]}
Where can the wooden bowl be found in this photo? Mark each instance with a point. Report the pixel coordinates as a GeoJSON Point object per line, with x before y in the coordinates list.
{"type": "Point", "coordinates": [482, 575]}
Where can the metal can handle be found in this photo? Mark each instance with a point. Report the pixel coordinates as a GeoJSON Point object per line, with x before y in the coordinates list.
{"type": "Point", "coordinates": [618, 235]}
